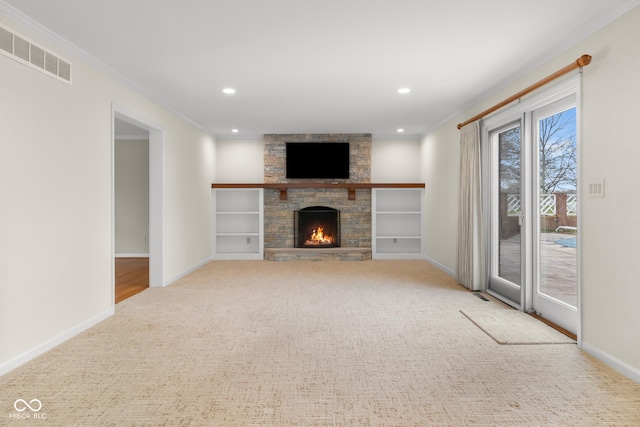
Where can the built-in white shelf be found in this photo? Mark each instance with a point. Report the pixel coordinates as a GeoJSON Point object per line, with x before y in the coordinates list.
{"type": "Point", "coordinates": [238, 224]}
{"type": "Point", "coordinates": [397, 223]}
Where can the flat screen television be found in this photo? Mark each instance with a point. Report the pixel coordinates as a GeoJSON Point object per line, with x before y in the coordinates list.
{"type": "Point", "coordinates": [317, 160]}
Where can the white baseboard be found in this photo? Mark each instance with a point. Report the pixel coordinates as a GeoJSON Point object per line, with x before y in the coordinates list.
{"type": "Point", "coordinates": [617, 364]}
{"type": "Point", "coordinates": [23, 358]}
{"type": "Point", "coordinates": [132, 255]}
{"type": "Point", "coordinates": [447, 270]}
{"type": "Point", "coordinates": [190, 270]}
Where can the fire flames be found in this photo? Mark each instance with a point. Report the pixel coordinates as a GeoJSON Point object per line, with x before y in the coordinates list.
{"type": "Point", "coordinates": [319, 238]}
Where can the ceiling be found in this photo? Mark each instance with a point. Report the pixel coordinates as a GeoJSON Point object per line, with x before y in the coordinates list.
{"type": "Point", "coordinates": [317, 66]}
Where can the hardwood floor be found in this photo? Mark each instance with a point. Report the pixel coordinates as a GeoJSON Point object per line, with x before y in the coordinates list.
{"type": "Point", "coordinates": [132, 277]}
{"type": "Point", "coordinates": [556, 327]}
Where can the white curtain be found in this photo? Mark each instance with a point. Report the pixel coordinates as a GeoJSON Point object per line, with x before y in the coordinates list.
{"type": "Point", "coordinates": [470, 258]}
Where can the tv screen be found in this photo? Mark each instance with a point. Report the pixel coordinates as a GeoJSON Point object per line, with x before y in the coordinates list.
{"type": "Point", "coordinates": [318, 160]}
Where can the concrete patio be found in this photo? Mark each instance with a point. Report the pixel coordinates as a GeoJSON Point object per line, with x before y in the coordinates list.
{"type": "Point", "coordinates": [558, 266]}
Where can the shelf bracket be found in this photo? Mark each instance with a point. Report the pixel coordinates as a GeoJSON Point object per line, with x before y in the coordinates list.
{"type": "Point", "coordinates": [283, 194]}
{"type": "Point", "coordinates": [352, 194]}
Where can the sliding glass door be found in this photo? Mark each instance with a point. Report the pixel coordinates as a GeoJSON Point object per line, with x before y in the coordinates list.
{"type": "Point", "coordinates": [531, 186]}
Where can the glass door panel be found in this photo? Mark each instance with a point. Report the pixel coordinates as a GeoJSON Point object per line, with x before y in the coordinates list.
{"type": "Point", "coordinates": [510, 214]}
{"type": "Point", "coordinates": [556, 279]}
{"type": "Point", "coordinates": [506, 266]}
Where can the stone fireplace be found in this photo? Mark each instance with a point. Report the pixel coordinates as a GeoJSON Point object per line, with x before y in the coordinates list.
{"type": "Point", "coordinates": [355, 215]}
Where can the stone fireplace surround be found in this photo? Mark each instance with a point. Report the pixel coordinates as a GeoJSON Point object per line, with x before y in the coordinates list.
{"type": "Point", "coordinates": [355, 215]}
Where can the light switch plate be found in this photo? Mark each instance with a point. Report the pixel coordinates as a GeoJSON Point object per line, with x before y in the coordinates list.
{"type": "Point", "coordinates": [596, 188]}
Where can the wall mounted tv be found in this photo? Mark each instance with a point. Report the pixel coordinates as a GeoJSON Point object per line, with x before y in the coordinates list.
{"type": "Point", "coordinates": [317, 160]}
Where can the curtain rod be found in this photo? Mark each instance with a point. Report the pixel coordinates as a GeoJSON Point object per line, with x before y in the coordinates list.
{"type": "Point", "coordinates": [583, 61]}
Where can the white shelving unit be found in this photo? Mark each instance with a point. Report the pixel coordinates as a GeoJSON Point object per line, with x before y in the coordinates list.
{"type": "Point", "coordinates": [397, 223]}
{"type": "Point", "coordinates": [238, 224]}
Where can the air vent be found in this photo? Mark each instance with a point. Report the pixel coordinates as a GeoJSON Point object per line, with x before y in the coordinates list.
{"type": "Point", "coordinates": [6, 40]}
{"type": "Point", "coordinates": [23, 50]}
{"type": "Point", "coordinates": [482, 297]}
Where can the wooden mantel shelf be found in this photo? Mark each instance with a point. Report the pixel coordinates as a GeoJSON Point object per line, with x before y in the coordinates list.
{"type": "Point", "coordinates": [350, 186]}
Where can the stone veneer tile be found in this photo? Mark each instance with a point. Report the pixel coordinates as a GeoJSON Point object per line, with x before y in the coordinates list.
{"type": "Point", "coordinates": [359, 150]}
{"type": "Point", "coordinates": [355, 215]}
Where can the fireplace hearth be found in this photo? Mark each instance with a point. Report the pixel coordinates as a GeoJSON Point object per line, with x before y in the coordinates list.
{"type": "Point", "coordinates": [317, 227]}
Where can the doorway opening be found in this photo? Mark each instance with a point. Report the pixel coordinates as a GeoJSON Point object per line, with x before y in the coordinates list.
{"type": "Point", "coordinates": [141, 237]}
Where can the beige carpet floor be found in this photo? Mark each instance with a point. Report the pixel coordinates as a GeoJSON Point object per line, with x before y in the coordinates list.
{"type": "Point", "coordinates": [258, 343]}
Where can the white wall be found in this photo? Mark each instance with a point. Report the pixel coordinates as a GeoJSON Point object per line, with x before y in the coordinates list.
{"type": "Point", "coordinates": [439, 158]}
{"type": "Point", "coordinates": [242, 161]}
{"type": "Point", "coordinates": [396, 160]}
{"type": "Point", "coordinates": [56, 249]}
{"type": "Point", "coordinates": [239, 161]}
{"type": "Point", "coordinates": [610, 149]}
{"type": "Point", "coordinates": [131, 164]}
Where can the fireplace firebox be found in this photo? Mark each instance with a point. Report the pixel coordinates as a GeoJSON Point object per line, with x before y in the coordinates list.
{"type": "Point", "coordinates": [317, 227]}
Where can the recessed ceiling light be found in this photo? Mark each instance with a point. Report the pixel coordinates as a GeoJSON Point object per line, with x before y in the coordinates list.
{"type": "Point", "coordinates": [404, 90]}
{"type": "Point", "coordinates": [400, 130]}
{"type": "Point", "coordinates": [229, 90]}
{"type": "Point", "coordinates": [235, 130]}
